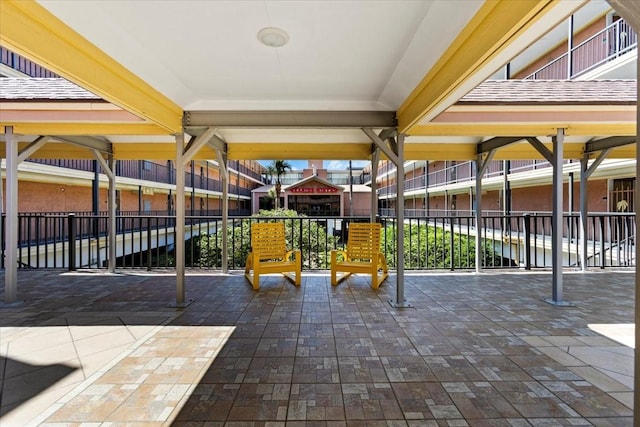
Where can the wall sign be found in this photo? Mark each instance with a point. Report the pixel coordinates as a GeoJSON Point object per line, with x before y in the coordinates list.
{"type": "Point", "coordinates": [313, 190]}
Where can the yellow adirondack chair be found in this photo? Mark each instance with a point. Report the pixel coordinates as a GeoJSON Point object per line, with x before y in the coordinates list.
{"type": "Point", "coordinates": [269, 254]}
{"type": "Point", "coordinates": [362, 255]}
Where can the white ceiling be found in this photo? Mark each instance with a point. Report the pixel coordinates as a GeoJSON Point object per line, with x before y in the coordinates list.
{"type": "Point", "coordinates": [205, 55]}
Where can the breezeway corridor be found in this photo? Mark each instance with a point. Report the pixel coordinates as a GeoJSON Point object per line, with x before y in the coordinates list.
{"type": "Point", "coordinates": [88, 348]}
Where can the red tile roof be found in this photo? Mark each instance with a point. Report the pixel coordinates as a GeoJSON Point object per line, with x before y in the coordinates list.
{"type": "Point", "coordinates": [568, 92]}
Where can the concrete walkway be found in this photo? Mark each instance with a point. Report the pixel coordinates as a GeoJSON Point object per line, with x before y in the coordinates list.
{"type": "Point", "coordinates": [90, 348]}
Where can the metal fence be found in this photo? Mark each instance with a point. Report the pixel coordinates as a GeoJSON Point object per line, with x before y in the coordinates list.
{"type": "Point", "coordinates": [431, 243]}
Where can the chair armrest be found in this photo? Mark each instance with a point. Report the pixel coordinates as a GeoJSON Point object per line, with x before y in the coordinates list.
{"type": "Point", "coordinates": [336, 252]}
{"type": "Point", "coordinates": [295, 252]}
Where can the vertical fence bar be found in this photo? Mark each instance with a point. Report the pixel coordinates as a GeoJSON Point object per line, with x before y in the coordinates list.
{"type": "Point", "coordinates": [149, 243]}
{"type": "Point", "coordinates": [603, 256]}
{"type": "Point", "coordinates": [72, 241]}
{"type": "Point", "coordinates": [527, 241]}
{"type": "Point", "coordinates": [451, 247]}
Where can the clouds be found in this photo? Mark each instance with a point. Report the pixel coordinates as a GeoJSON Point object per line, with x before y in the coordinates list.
{"type": "Point", "coordinates": [327, 164]}
{"type": "Point", "coordinates": [344, 164]}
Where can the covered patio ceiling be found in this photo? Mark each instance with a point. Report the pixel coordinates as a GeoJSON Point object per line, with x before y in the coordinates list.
{"type": "Point", "coordinates": [188, 66]}
{"type": "Point", "coordinates": [604, 119]}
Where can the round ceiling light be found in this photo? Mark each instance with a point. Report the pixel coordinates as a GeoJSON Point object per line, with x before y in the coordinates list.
{"type": "Point", "coordinates": [273, 37]}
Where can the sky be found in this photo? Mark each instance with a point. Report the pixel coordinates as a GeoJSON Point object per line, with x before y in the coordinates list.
{"type": "Point", "coordinates": [328, 164]}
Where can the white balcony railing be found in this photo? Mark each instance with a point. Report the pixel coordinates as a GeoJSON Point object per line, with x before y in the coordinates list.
{"type": "Point", "coordinates": [612, 42]}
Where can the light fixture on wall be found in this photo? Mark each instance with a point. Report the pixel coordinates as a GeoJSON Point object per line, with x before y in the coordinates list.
{"type": "Point", "coordinates": [273, 37]}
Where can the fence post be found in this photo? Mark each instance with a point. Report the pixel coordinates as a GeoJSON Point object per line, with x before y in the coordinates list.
{"type": "Point", "coordinates": [148, 243]}
{"type": "Point", "coordinates": [527, 241]}
{"type": "Point", "coordinates": [71, 223]}
{"type": "Point", "coordinates": [451, 246]}
{"type": "Point", "coordinates": [603, 253]}
{"type": "Point", "coordinates": [300, 244]}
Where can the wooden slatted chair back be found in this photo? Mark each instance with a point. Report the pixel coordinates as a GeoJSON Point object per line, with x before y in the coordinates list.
{"type": "Point", "coordinates": [362, 255]}
{"type": "Point", "coordinates": [364, 241]}
{"type": "Point", "coordinates": [269, 254]}
{"type": "Point", "coordinates": [268, 240]}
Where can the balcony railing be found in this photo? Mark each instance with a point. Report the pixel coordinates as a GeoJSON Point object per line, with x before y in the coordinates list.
{"type": "Point", "coordinates": [431, 242]}
{"type": "Point", "coordinates": [149, 171]}
{"type": "Point", "coordinates": [23, 65]}
{"type": "Point", "coordinates": [612, 42]}
{"type": "Point", "coordinates": [462, 172]}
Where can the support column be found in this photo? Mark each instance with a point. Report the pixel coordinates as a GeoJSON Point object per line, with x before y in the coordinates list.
{"type": "Point", "coordinates": [636, 381]}
{"type": "Point", "coordinates": [481, 167]}
{"type": "Point", "coordinates": [395, 154]}
{"type": "Point", "coordinates": [556, 221]}
{"type": "Point", "coordinates": [224, 174]}
{"type": "Point", "coordinates": [400, 299]}
{"type": "Point", "coordinates": [583, 213]}
{"type": "Point", "coordinates": [109, 169]}
{"type": "Point", "coordinates": [11, 222]}
{"type": "Point", "coordinates": [478, 213]}
{"type": "Point", "coordinates": [375, 160]}
{"type": "Point", "coordinates": [112, 214]}
{"type": "Point", "coordinates": [179, 243]}
{"type": "Point", "coordinates": [585, 173]}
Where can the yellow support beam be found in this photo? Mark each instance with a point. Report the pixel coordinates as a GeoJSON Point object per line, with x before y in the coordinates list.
{"type": "Point", "coordinates": [436, 151]}
{"type": "Point", "coordinates": [625, 152]}
{"type": "Point", "coordinates": [35, 33]}
{"type": "Point", "coordinates": [519, 151]}
{"type": "Point", "coordinates": [486, 35]}
{"type": "Point", "coordinates": [298, 151]}
{"type": "Point", "coordinates": [64, 128]}
{"type": "Point", "coordinates": [523, 129]}
{"type": "Point", "coordinates": [525, 151]}
{"type": "Point", "coordinates": [54, 150]}
{"type": "Point", "coordinates": [155, 151]}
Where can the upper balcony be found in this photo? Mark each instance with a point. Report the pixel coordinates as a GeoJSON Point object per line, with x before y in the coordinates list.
{"type": "Point", "coordinates": [609, 54]}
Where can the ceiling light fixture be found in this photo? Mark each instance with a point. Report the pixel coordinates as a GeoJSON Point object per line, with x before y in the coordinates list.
{"type": "Point", "coordinates": [273, 37]}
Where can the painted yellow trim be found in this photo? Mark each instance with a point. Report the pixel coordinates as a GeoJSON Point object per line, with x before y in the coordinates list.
{"type": "Point", "coordinates": [434, 151]}
{"type": "Point", "coordinates": [601, 129]}
{"type": "Point", "coordinates": [413, 151]}
{"type": "Point", "coordinates": [298, 151]}
{"type": "Point", "coordinates": [537, 108]}
{"type": "Point", "coordinates": [57, 150]}
{"type": "Point", "coordinates": [104, 129]}
{"type": "Point", "coordinates": [520, 129]}
{"type": "Point", "coordinates": [486, 35]}
{"type": "Point", "coordinates": [626, 152]}
{"type": "Point", "coordinates": [58, 106]}
{"type": "Point", "coordinates": [461, 152]}
{"type": "Point", "coordinates": [155, 151]}
{"type": "Point", "coordinates": [525, 151]}
{"type": "Point", "coordinates": [32, 31]}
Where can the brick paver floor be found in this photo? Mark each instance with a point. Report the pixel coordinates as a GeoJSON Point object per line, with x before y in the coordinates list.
{"type": "Point", "coordinates": [90, 348]}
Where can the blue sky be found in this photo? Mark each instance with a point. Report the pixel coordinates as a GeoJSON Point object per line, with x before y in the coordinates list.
{"type": "Point", "coordinates": [328, 164]}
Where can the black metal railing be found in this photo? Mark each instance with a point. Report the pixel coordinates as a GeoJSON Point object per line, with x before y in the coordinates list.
{"type": "Point", "coordinates": [431, 243]}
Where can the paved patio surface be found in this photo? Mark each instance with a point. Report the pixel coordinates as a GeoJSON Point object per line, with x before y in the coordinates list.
{"type": "Point", "coordinates": [91, 349]}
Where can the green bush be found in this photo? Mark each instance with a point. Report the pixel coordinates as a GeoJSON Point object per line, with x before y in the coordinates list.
{"type": "Point", "coordinates": [431, 247]}
{"type": "Point", "coordinates": [301, 233]}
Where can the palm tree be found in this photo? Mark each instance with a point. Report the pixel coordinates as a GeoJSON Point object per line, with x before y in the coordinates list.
{"type": "Point", "coordinates": [278, 168]}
